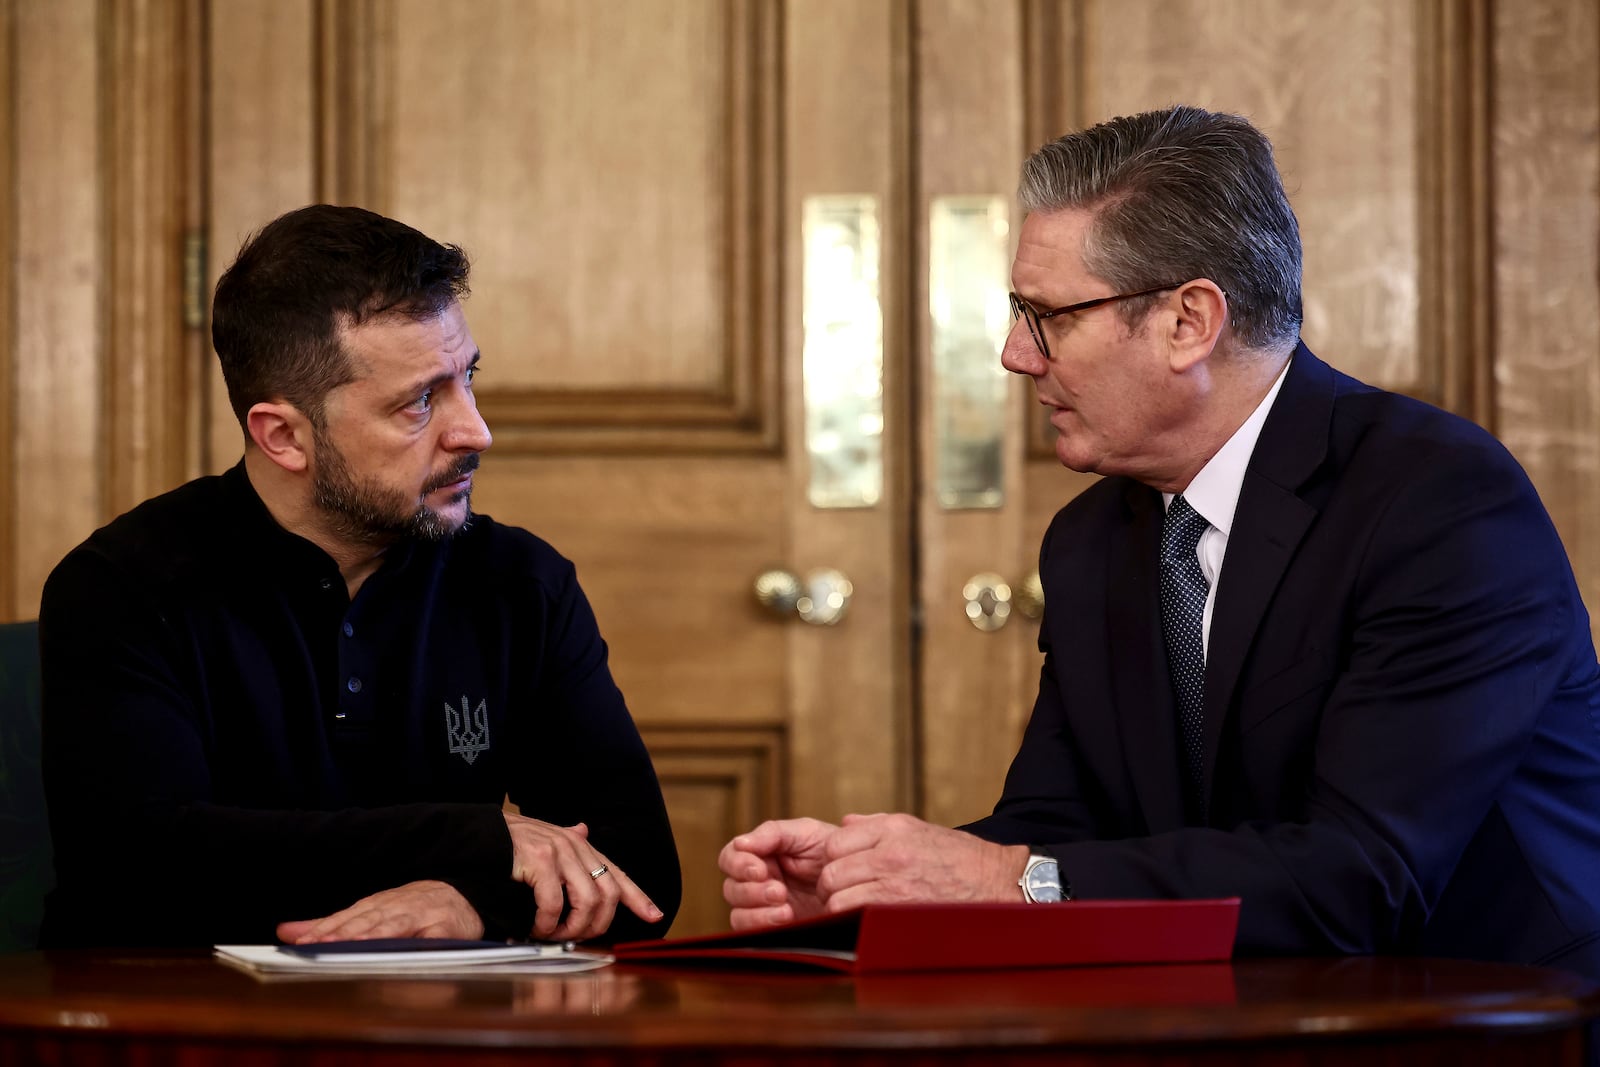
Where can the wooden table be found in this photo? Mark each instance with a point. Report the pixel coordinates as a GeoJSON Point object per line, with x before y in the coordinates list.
{"type": "Point", "coordinates": [165, 1008]}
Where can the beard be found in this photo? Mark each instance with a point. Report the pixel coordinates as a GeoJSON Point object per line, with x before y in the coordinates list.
{"type": "Point", "coordinates": [365, 511]}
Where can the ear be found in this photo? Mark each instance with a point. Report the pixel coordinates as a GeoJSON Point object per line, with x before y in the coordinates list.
{"type": "Point", "coordinates": [282, 433]}
{"type": "Point", "coordinates": [1202, 309]}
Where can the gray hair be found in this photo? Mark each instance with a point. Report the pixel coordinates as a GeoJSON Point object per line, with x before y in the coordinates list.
{"type": "Point", "coordinates": [1179, 194]}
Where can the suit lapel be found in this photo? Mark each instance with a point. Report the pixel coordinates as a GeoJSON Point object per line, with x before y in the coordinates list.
{"type": "Point", "coordinates": [1268, 526]}
{"type": "Point", "coordinates": [1141, 692]}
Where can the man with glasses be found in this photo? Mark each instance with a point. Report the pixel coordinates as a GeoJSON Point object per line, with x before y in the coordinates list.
{"type": "Point", "coordinates": [1307, 643]}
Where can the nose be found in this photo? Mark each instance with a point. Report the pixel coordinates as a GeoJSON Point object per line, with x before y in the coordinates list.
{"type": "Point", "coordinates": [1020, 354]}
{"type": "Point", "coordinates": [468, 433]}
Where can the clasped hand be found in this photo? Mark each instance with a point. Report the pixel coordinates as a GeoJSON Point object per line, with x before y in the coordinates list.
{"type": "Point", "coordinates": [787, 869]}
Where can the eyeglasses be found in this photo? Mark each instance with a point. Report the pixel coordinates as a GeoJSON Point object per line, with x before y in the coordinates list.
{"type": "Point", "coordinates": [1021, 309]}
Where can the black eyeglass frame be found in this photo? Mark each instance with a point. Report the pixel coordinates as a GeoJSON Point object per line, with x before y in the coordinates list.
{"type": "Point", "coordinates": [1021, 309]}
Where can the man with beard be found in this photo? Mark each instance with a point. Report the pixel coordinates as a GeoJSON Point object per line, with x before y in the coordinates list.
{"type": "Point", "coordinates": [289, 701]}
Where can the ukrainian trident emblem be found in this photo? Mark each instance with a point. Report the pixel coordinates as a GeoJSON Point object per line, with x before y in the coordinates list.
{"type": "Point", "coordinates": [469, 730]}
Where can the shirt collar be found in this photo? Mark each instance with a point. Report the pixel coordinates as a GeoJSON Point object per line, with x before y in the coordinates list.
{"type": "Point", "coordinates": [1214, 492]}
{"type": "Point", "coordinates": [274, 546]}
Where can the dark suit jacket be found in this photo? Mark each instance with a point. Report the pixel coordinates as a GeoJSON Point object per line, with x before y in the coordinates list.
{"type": "Point", "coordinates": [1402, 736]}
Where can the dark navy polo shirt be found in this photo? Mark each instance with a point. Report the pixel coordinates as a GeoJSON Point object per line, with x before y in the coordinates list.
{"type": "Point", "coordinates": [231, 742]}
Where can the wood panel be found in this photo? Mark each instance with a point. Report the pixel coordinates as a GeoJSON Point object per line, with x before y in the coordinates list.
{"type": "Point", "coordinates": [846, 115]}
{"type": "Point", "coordinates": [1455, 284]}
{"type": "Point", "coordinates": [628, 231]}
{"type": "Point", "coordinates": [10, 598]}
{"type": "Point", "coordinates": [1546, 173]}
{"type": "Point", "coordinates": [665, 550]}
{"type": "Point", "coordinates": [354, 53]}
{"type": "Point", "coordinates": [152, 201]}
{"type": "Point", "coordinates": [1333, 86]}
{"type": "Point", "coordinates": [262, 149]}
{"type": "Point", "coordinates": [96, 369]}
{"type": "Point", "coordinates": [58, 254]}
{"type": "Point", "coordinates": [644, 218]}
{"type": "Point", "coordinates": [976, 688]}
{"type": "Point", "coordinates": [719, 781]}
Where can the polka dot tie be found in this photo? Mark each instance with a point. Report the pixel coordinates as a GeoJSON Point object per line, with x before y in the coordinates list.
{"type": "Point", "coordinates": [1183, 604]}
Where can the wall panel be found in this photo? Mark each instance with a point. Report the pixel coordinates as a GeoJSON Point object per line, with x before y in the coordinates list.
{"type": "Point", "coordinates": [9, 159]}
{"type": "Point", "coordinates": [150, 355]}
{"type": "Point", "coordinates": [1334, 86]}
{"type": "Point", "coordinates": [1547, 223]}
{"type": "Point", "coordinates": [261, 56]}
{"type": "Point", "coordinates": [97, 370]}
{"type": "Point", "coordinates": [719, 781]}
{"type": "Point", "coordinates": [626, 229]}
{"type": "Point", "coordinates": [59, 257]}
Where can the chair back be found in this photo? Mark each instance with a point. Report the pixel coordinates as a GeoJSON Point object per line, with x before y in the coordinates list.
{"type": "Point", "coordinates": [26, 874]}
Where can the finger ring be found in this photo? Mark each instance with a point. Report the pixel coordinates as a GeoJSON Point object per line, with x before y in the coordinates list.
{"type": "Point", "coordinates": [598, 871]}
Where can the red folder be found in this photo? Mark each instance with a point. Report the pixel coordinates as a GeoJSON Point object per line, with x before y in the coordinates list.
{"type": "Point", "coordinates": [1111, 986]}
{"type": "Point", "coordinates": [880, 938]}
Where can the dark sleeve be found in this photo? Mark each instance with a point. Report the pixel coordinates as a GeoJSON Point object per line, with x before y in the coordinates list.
{"type": "Point", "coordinates": [144, 853]}
{"type": "Point", "coordinates": [505, 906]}
{"type": "Point", "coordinates": [1462, 635]}
{"type": "Point", "coordinates": [582, 760]}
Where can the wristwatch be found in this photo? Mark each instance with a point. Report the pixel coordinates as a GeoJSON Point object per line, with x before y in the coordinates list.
{"type": "Point", "coordinates": [1041, 881]}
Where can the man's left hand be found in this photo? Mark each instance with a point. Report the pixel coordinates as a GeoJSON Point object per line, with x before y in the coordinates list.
{"type": "Point", "coordinates": [416, 909]}
{"type": "Point", "coordinates": [891, 859]}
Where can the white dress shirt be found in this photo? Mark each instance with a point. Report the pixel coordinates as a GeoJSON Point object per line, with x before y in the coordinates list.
{"type": "Point", "coordinates": [1214, 493]}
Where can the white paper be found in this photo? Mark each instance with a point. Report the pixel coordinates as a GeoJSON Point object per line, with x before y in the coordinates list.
{"type": "Point", "coordinates": [509, 959]}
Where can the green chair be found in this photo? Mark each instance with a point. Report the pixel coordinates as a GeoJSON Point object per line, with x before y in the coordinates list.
{"type": "Point", "coordinates": [26, 874]}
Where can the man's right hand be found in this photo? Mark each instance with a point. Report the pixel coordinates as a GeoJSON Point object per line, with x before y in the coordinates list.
{"type": "Point", "coordinates": [772, 872]}
{"type": "Point", "coordinates": [551, 859]}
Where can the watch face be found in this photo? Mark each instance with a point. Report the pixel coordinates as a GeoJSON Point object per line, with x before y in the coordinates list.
{"type": "Point", "coordinates": [1042, 882]}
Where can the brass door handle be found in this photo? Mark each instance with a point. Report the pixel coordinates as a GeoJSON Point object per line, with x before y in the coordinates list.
{"type": "Point", "coordinates": [1030, 596]}
{"type": "Point", "coordinates": [821, 599]}
{"type": "Point", "coordinates": [990, 599]}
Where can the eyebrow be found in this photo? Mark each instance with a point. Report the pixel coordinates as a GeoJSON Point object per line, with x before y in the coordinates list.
{"type": "Point", "coordinates": [411, 392]}
{"type": "Point", "coordinates": [1033, 300]}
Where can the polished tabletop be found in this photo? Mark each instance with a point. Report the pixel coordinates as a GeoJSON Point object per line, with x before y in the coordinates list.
{"type": "Point", "coordinates": [128, 1006]}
